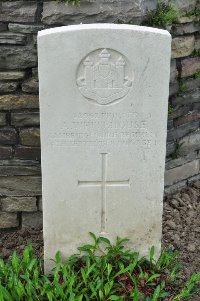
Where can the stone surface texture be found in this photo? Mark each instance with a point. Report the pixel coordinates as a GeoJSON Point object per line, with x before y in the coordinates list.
{"type": "Point", "coordinates": [105, 133]}
{"type": "Point", "coordinates": [184, 5]}
{"type": "Point", "coordinates": [185, 171]}
{"type": "Point", "coordinates": [18, 11]}
{"type": "Point", "coordinates": [32, 220]}
{"type": "Point", "coordinates": [11, 75]}
{"type": "Point", "coordinates": [12, 38]}
{"type": "Point", "coordinates": [19, 23]}
{"type": "Point", "coordinates": [19, 57]}
{"type": "Point", "coordinates": [25, 119]}
{"type": "Point", "coordinates": [8, 87]}
{"type": "Point", "coordinates": [8, 220]}
{"type": "Point", "coordinates": [30, 136]}
{"type": "Point", "coordinates": [91, 12]}
{"type": "Point", "coordinates": [190, 66]}
{"type": "Point", "coordinates": [182, 46]}
{"type": "Point", "coordinates": [20, 185]}
{"type": "Point", "coordinates": [15, 102]}
{"type": "Point", "coordinates": [17, 204]}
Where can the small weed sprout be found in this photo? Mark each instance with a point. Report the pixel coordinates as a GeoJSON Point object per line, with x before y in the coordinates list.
{"type": "Point", "coordinates": [197, 75]}
{"type": "Point", "coordinates": [170, 109]}
{"type": "Point", "coordinates": [178, 149]}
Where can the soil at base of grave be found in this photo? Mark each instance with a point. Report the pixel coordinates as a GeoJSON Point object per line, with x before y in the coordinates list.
{"type": "Point", "coordinates": [181, 230]}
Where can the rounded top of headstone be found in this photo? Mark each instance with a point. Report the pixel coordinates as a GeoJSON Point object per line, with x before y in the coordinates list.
{"type": "Point", "coordinates": [104, 26]}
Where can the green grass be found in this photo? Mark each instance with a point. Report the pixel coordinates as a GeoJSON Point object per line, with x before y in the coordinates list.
{"type": "Point", "coordinates": [73, 2]}
{"type": "Point", "coordinates": [162, 16]}
{"type": "Point", "coordinates": [170, 109]}
{"type": "Point", "coordinates": [182, 86]}
{"type": "Point", "coordinates": [197, 75]}
{"type": "Point", "coordinates": [195, 53]}
{"type": "Point", "coordinates": [101, 272]}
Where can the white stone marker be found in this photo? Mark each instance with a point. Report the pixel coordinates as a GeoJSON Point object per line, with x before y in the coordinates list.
{"type": "Point", "coordinates": [103, 104]}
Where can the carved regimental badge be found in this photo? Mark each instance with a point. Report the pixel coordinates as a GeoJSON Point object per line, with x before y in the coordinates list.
{"type": "Point", "coordinates": [104, 76]}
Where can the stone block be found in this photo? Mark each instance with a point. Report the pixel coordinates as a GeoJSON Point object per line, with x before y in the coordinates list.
{"type": "Point", "coordinates": [5, 152]}
{"type": "Point", "coordinates": [15, 204]}
{"type": "Point", "coordinates": [18, 11]}
{"type": "Point", "coordinates": [180, 173]}
{"type": "Point", "coordinates": [25, 28]}
{"type": "Point", "coordinates": [3, 27]}
{"type": "Point", "coordinates": [186, 19]}
{"type": "Point", "coordinates": [183, 5]}
{"type": "Point", "coordinates": [2, 119]}
{"type": "Point", "coordinates": [19, 170]}
{"type": "Point", "coordinates": [191, 116]}
{"type": "Point", "coordinates": [12, 38]}
{"type": "Point", "coordinates": [20, 186]}
{"type": "Point", "coordinates": [188, 28]}
{"type": "Point", "coordinates": [27, 153]}
{"type": "Point", "coordinates": [30, 136]}
{"type": "Point", "coordinates": [173, 71]}
{"type": "Point", "coordinates": [30, 86]}
{"type": "Point", "coordinates": [25, 119]}
{"type": "Point", "coordinates": [8, 136]}
{"type": "Point", "coordinates": [190, 143]}
{"type": "Point", "coordinates": [8, 87]}
{"type": "Point", "coordinates": [182, 130]}
{"type": "Point", "coordinates": [192, 84]}
{"type": "Point", "coordinates": [182, 46]}
{"type": "Point", "coordinates": [11, 75]}
{"type": "Point", "coordinates": [32, 220]}
{"type": "Point", "coordinates": [8, 220]}
{"type": "Point", "coordinates": [175, 188]}
{"type": "Point", "coordinates": [91, 12]}
{"type": "Point", "coordinates": [180, 111]}
{"type": "Point", "coordinates": [180, 161]}
{"type": "Point", "coordinates": [15, 102]}
{"type": "Point", "coordinates": [17, 162]}
{"type": "Point", "coordinates": [17, 57]}
{"type": "Point", "coordinates": [187, 98]}
{"type": "Point", "coordinates": [190, 66]}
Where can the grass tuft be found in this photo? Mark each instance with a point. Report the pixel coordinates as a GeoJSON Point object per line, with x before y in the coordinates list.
{"type": "Point", "coordinates": [73, 2]}
{"type": "Point", "coordinates": [161, 17]}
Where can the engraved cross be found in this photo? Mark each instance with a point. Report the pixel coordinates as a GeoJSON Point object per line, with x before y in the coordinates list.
{"type": "Point", "coordinates": [103, 184]}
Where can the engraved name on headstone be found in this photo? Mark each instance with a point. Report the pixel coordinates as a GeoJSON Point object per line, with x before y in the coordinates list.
{"type": "Point", "coordinates": [103, 105]}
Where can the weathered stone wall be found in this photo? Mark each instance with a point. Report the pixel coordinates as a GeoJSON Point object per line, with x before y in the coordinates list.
{"type": "Point", "coordinates": [20, 175]}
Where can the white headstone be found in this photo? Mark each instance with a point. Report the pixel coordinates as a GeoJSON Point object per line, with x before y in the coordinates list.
{"type": "Point", "coordinates": [103, 105]}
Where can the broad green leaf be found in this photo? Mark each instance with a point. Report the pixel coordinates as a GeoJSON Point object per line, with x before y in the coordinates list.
{"type": "Point", "coordinates": [156, 293]}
